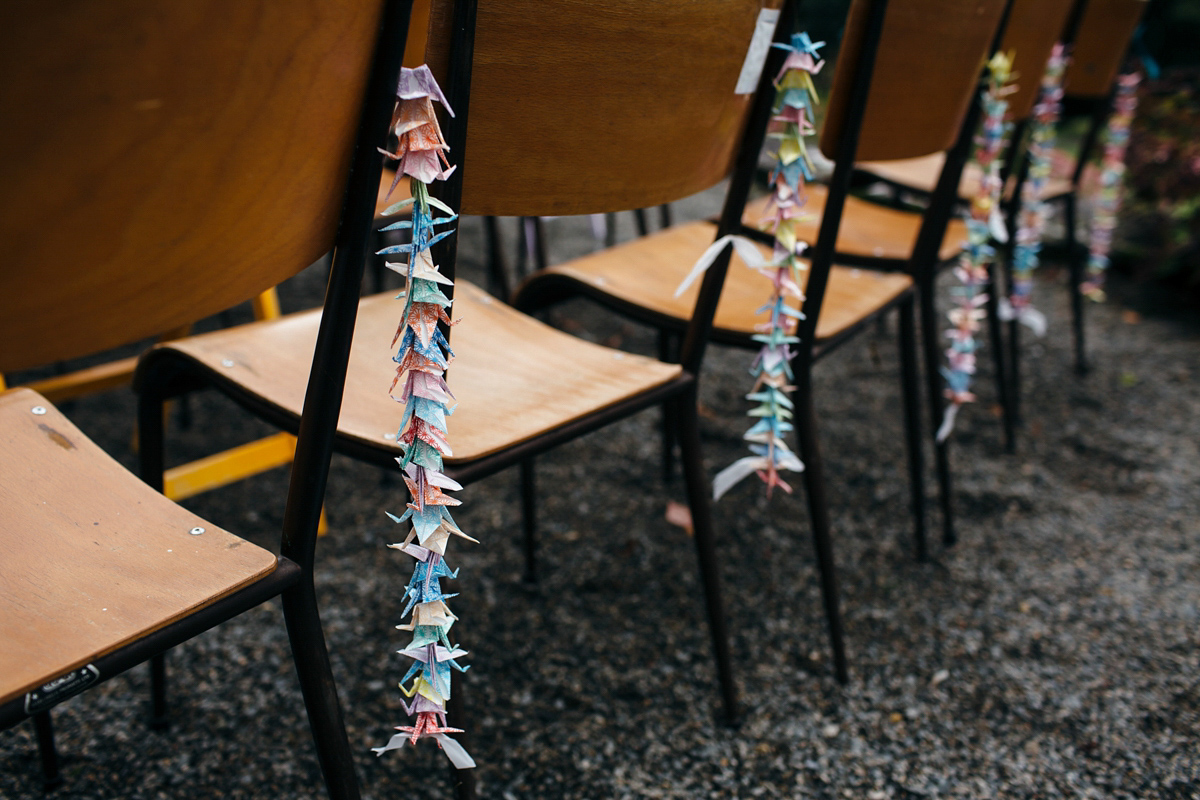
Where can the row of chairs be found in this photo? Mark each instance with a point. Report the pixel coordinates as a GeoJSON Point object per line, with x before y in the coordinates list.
{"type": "Point", "coordinates": [212, 178]}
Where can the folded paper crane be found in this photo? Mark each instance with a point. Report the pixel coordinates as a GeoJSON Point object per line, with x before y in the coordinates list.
{"type": "Point", "coordinates": [795, 98]}
{"type": "Point", "coordinates": [1031, 222]}
{"type": "Point", "coordinates": [422, 355]}
{"type": "Point", "coordinates": [1112, 174]}
{"type": "Point", "coordinates": [983, 224]}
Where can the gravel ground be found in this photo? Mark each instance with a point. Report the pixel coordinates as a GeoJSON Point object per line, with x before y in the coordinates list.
{"type": "Point", "coordinates": [1054, 652]}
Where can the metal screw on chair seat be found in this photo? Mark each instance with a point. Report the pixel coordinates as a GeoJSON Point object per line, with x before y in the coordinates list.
{"type": "Point", "coordinates": [39, 410]}
{"type": "Point", "coordinates": [196, 531]}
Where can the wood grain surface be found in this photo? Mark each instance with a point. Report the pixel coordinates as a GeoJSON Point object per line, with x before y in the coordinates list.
{"type": "Point", "coordinates": [93, 558]}
{"type": "Point", "coordinates": [512, 376]}
{"type": "Point", "coordinates": [926, 72]}
{"type": "Point", "coordinates": [646, 271]}
{"type": "Point", "coordinates": [868, 229]}
{"type": "Point", "coordinates": [158, 168]}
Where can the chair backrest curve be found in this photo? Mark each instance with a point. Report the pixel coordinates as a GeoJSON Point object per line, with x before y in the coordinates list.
{"type": "Point", "coordinates": [164, 161]}
{"type": "Point", "coordinates": [1034, 26]}
{"type": "Point", "coordinates": [581, 106]}
{"type": "Point", "coordinates": [926, 72]}
{"type": "Point", "coordinates": [1104, 34]}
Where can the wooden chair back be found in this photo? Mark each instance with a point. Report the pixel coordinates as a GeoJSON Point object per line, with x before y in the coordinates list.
{"type": "Point", "coordinates": [925, 76]}
{"type": "Point", "coordinates": [1105, 30]}
{"type": "Point", "coordinates": [1034, 26]}
{"type": "Point", "coordinates": [157, 171]}
{"type": "Point", "coordinates": [584, 107]}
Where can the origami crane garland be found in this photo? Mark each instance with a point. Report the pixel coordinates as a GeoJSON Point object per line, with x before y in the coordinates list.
{"type": "Point", "coordinates": [1032, 220]}
{"type": "Point", "coordinates": [1108, 201]}
{"type": "Point", "coordinates": [421, 362]}
{"type": "Point", "coordinates": [772, 370]}
{"type": "Point", "coordinates": [983, 223]}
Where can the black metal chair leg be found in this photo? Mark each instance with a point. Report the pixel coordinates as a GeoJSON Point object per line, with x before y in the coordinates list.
{"type": "Point", "coordinates": [664, 215]}
{"type": "Point", "coordinates": [376, 262]}
{"type": "Point", "coordinates": [643, 225]}
{"type": "Point", "coordinates": [610, 229]}
{"type": "Point", "coordinates": [911, 385]}
{"type": "Point", "coordinates": [668, 351]}
{"type": "Point", "coordinates": [498, 283]}
{"type": "Point", "coordinates": [51, 777]}
{"type": "Point", "coordinates": [698, 489]}
{"type": "Point", "coordinates": [1075, 265]}
{"type": "Point", "coordinates": [529, 519]}
{"type": "Point", "coordinates": [320, 693]}
{"type": "Point", "coordinates": [1014, 372]}
{"type": "Point", "coordinates": [818, 510]}
{"type": "Point", "coordinates": [933, 378]}
{"type": "Point", "coordinates": [159, 720]}
{"type": "Point", "coordinates": [522, 251]}
{"type": "Point", "coordinates": [151, 466]}
{"type": "Point", "coordinates": [541, 260]}
{"type": "Point", "coordinates": [1004, 384]}
{"type": "Point", "coordinates": [463, 780]}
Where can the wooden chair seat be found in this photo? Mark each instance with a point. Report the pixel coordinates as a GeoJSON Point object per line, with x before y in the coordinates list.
{"type": "Point", "coordinates": [513, 377]}
{"type": "Point", "coordinates": [81, 579]}
{"type": "Point", "coordinates": [922, 173]}
{"type": "Point", "coordinates": [646, 271]}
{"type": "Point", "coordinates": [869, 230]}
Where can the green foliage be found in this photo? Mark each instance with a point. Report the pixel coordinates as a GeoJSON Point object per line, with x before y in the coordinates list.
{"type": "Point", "coordinates": [1161, 227]}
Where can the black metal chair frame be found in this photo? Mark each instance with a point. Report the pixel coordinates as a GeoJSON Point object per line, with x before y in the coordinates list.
{"type": "Point", "coordinates": [922, 265]}
{"type": "Point", "coordinates": [292, 579]}
{"type": "Point", "coordinates": [163, 374]}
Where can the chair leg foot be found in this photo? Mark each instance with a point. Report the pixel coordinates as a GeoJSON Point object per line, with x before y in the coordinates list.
{"type": "Point", "coordinates": [48, 754]}
{"type": "Point", "coordinates": [701, 507]}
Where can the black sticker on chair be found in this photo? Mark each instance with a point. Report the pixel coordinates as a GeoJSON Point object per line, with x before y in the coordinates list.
{"type": "Point", "coordinates": [60, 689]}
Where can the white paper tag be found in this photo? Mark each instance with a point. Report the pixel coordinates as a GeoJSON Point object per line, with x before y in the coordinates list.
{"type": "Point", "coordinates": [756, 55]}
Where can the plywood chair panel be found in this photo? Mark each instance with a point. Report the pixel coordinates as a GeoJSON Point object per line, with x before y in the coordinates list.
{"type": "Point", "coordinates": [117, 562]}
{"type": "Point", "coordinates": [1033, 28]}
{"type": "Point", "coordinates": [677, 104]}
{"type": "Point", "coordinates": [513, 377]}
{"type": "Point", "coordinates": [924, 45]}
{"type": "Point", "coordinates": [868, 230]}
{"type": "Point", "coordinates": [1105, 30]}
{"type": "Point", "coordinates": [144, 154]}
{"type": "Point", "coordinates": [646, 272]}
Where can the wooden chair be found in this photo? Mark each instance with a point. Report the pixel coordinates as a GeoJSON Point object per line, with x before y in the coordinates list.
{"type": "Point", "coordinates": [100, 571]}
{"type": "Point", "coordinates": [1100, 31]}
{"type": "Point", "coordinates": [522, 387]}
{"type": "Point", "coordinates": [1032, 30]}
{"type": "Point", "coordinates": [1101, 44]}
{"type": "Point", "coordinates": [1033, 26]}
{"type": "Point", "coordinates": [937, 47]}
